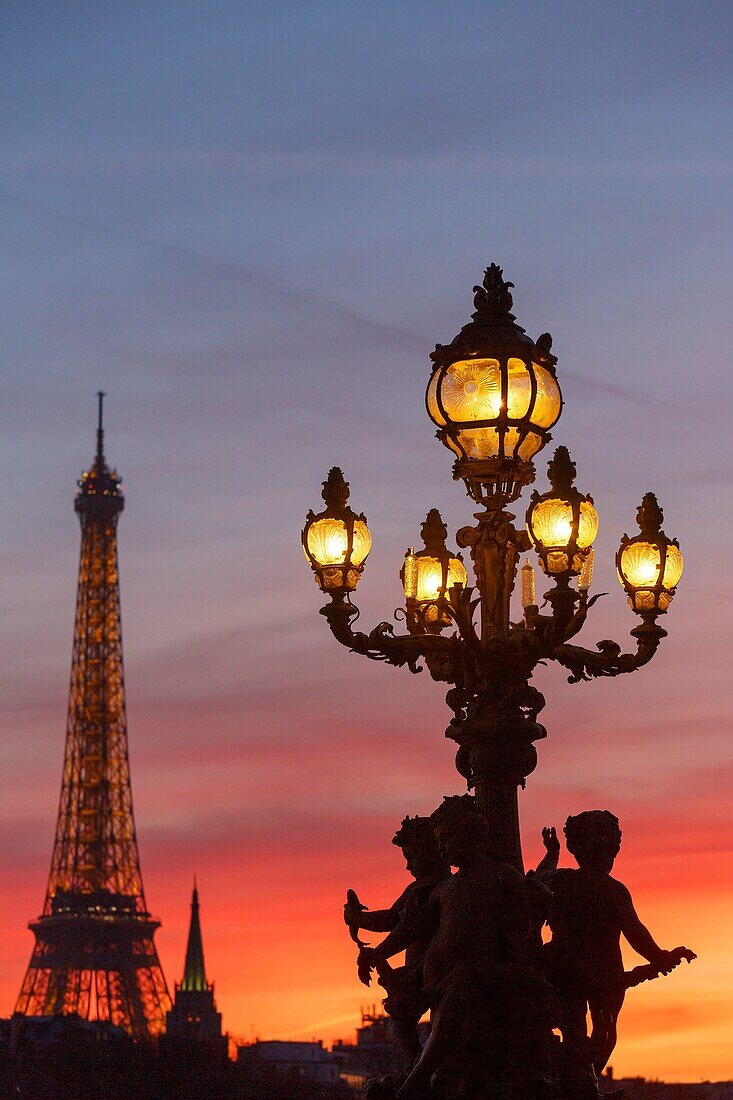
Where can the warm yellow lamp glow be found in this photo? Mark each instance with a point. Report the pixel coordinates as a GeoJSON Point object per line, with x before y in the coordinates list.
{"type": "Point", "coordinates": [552, 524]}
{"type": "Point", "coordinates": [429, 575]}
{"type": "Point", "coordinates": [639, 570]}
{"type": "Point", "coordinates": [422, 577]}
{"type": "Point", "coordinates": [327, 542]}
{"type": "Point", "coordinates": [649, 565]}
{"type": "Point", "coordinates": [471, 390]}
{"type": "Point", "coordinates": [478, 391]}
{"type": "Point", "coordinates": [562, 523]}
{"type": "Point", "coordinates": [336, 541]}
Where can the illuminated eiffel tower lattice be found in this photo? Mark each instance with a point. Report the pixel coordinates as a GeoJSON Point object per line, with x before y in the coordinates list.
{"type": "Point", "coordinates": [94, 954]}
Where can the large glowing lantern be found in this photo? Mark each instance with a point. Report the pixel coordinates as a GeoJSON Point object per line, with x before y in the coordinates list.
{"type": "Point", "coordinates": [493, 394]}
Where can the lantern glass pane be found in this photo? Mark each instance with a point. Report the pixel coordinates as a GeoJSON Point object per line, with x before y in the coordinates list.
{"type": "Point", "coordinates": [673, 567]}
{"type": "Point", "coordinates": [511, 439]}
{"type": "Point", "coordinates": [587, 524]}
{"type": "Point", "coordinates": [429, 578]}
{"type": "Point", "coordinates": [451, 443]}
{"type": "Point", "coordinates": [471, 390]}
{"type": "Point", "coordinates": [640, 563]}
{"type": "Point", "coordinates": [433, 409]}
{"type": "Point", "coordinates": [519, 389]}
{"type": "Point", "coordinates": [362, 542]}
{"type": "Point", "coordinates": [530, 445]}
{"type": "Point", "coordinates": [328, 541]}
{"type": "Point", "coordinates": [552, 523]}
{"type": "Point", "coordinates": [480, 442]}
{"type": "Point", "coordinates": [585, 579]}
{"type": "Point", "coordinates": [548, 402]}
{"type": "Point", "coordinates": [457, 573]}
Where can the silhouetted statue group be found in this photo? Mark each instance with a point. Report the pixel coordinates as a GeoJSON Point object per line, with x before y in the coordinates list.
{"type": "Point", "coordinates": [507, 1011]}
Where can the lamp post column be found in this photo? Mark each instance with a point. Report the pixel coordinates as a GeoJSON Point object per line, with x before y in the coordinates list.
{"type": "Point", "coordinates": [496, 737]}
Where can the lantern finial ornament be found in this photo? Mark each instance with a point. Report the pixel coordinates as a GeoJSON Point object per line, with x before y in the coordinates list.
{"type": "Point", "coordinates": [335, 490]}
{"type": "Point", "coordinates": [434, 532]}
{"type": "Point", "coordinates": [649, 515]}
{"type": "Point", "coordinates": [493, 299]}
{"type": "Point", "coordinates": [561, 471]}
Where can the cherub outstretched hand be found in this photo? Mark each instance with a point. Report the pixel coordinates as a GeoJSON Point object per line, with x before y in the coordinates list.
{"type": "Point", "coordinates": [550, 841]}
{"type": "Point", "coordinates": [548, 864]}
{"type": "Point", "coordinates": [353, 909]}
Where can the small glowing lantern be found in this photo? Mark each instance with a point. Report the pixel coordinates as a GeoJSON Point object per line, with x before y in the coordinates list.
{"type": "Point", "coordinates": [562, 523]}
{"type": "Point", "coordinates": [336, 541]}
{"type": "Point", "coordinates": [493, 395]}
{"type": "Point", "coordinates": [428, 575]}
{"type": "Point", "coordinates": [650, 564]}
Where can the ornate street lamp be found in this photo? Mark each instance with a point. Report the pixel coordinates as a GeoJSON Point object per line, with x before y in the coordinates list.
{"type": "Point", "coordinates": [494, 395]}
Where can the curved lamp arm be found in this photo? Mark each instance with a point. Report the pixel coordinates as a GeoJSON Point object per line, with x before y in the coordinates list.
{"type": "Point", "coordinates": [441, 654]}
{"type": "Point", "coordinates": [607, 659]}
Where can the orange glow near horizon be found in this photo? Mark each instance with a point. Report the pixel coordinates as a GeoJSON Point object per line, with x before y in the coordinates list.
{"type": "Point", "coordinates": [272, 884]}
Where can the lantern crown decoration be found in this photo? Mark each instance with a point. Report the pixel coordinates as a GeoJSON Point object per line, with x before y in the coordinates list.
{"type": "Point", "coordinates": [335, 490]}
{"type": "Point", "coordinates": [493, 298]}
{"type": "Point", "coordinates": [562, 471]}
{"type": "Point", "coordinates": [649, 516]}
{"type": "Point", "coordinates": [493, 324]}
{"type": "Point", "coordinates": [434, 532]}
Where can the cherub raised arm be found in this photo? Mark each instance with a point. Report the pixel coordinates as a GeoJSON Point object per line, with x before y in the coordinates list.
{"type": "Point", "coordinates": [549, 861]}
{"type": "Point", "coordinates": [589, 913]}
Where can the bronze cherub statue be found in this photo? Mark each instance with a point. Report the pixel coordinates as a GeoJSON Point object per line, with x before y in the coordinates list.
{"type": "Point", "coordinates": [588, 914]}
{"type": "Point", "coordinates": [405, 1002]}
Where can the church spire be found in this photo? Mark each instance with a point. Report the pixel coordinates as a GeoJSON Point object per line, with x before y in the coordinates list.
{"type": "Point", "coordinates": [194, 973]}
{"type": "Point", "coordinates": [193, 1017]}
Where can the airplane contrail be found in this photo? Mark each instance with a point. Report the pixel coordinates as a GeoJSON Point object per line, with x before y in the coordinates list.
{"type": "Point", "coordinates": [274, 286]}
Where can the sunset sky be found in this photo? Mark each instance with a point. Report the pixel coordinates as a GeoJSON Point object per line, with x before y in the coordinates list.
{"type": "Point", "coordinates": [250, 223]}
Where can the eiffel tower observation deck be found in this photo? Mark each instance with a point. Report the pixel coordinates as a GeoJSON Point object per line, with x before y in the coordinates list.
{"type": "Point", "coordinates": [94, 954]}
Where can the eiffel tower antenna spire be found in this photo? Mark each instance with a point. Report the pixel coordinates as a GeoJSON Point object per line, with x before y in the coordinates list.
{"type": "Point", "coordinates": [99, 461]}
{"type": "Point", "coordinates": [94, 954]}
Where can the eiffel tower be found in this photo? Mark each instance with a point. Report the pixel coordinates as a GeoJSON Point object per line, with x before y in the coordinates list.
{"type": "Point", "coordinates": [94, 954]}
